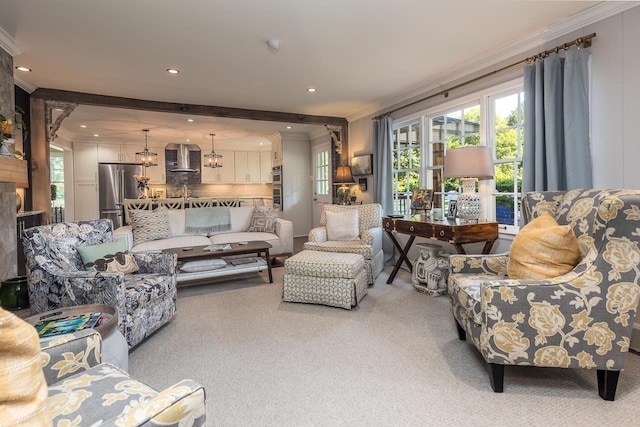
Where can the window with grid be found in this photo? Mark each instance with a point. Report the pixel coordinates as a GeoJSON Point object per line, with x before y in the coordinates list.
{"type": "Point", "coordinates": [406, 165]}
{"type": "Point", "coordinates": [507, 137]}
{"type": "Point", "coordinates": [57, 178]}
{"type": "Point", "coordinates": [455, 128]}
{"type": "Point", "coordinates": [322, 173]}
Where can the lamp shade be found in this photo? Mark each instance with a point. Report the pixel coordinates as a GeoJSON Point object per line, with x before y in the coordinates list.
{"type": "Point", "coordinates": [474, 162]}
{"type": "Point", "coordinates": [343, 175]}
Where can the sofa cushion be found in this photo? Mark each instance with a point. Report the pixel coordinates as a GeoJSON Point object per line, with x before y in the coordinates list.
{"type": "Point", "coordinates": [112, 257]}
{"type": "Point", "coordinates": [543, 249]}
{"type": "Point", "coordinates": [240, 218]}
{"type": "Point", "coordinates": [203, 265]}
{"type": "Point", "coordinates": [171, 242]}
{"type": "Point", "coordinates": [342, 225]}
{"type": "Point", "coordinates": [347, 246]}
{"type": "Point", "coordinates": [263, 220]}
{"type": "Point", "coordinates": [150, 225]}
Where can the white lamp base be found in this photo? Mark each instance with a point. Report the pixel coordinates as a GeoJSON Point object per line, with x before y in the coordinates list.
{"type": "Point", "coordinates": [468, 201]}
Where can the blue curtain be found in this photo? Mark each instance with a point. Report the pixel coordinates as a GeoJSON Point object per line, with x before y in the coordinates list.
{"type": "Point", "coordinates": [557, 151]}
{"type": "Point", "coordinates": [382, 173]}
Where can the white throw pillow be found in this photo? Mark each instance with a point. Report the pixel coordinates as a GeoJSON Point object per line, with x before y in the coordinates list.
{"type": "Point", "coordinates": [342, 225]}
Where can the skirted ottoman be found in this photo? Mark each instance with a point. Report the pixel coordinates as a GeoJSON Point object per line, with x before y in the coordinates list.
{"type": "Point", "coordinates": [328, 278]}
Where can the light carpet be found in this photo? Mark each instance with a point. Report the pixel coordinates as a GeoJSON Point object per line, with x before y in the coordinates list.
{"type": "Point", "coordinates": [395, 360]}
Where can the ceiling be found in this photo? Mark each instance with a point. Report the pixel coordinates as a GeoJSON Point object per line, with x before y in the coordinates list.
{"type": "Point", "coordinates": [357, 53]}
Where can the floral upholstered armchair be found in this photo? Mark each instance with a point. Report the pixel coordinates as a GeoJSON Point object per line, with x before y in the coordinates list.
{"type": "Point", "coordinates": [57, 277]}
{"type": "Point", "coordinates": [580, 319]}
{"type": "Point", "coordinates": [365, 239]}
{"type": "Point", "coordinates": [83, 391]}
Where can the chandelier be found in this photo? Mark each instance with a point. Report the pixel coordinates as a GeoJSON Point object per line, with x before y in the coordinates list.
{"type": "Point", "coordinates": [213, 160]}
{"type": "Point", "coordinates": [146, 158]}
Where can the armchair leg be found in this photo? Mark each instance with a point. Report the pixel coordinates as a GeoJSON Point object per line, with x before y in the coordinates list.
{"type": "Point", "coordinates": [607, 383]}
{"type": "Point", "coordinates": [496, 376]}
{"type": "Point", "coordinates": [462, 335]}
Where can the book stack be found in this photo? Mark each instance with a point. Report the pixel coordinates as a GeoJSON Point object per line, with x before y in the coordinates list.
{"type": "Point", "coordinates": [67, 324]}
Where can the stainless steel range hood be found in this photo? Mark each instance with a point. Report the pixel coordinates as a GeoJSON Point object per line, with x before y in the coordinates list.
{"type": "Point", "coordinates": [184, 163]}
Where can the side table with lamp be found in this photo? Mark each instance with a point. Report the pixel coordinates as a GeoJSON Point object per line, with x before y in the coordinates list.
{"type": "Point", "coordinates": [344, 177]}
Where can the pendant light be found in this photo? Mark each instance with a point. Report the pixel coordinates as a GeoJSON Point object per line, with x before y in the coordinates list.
{"type": "Point", "coordinates": [146, 158]}
{"type": "Point", "coordinates": [213, 160]}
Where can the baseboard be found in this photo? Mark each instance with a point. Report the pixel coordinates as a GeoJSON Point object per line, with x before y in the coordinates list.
{"type": "Point", "coordinates": [635, 337]}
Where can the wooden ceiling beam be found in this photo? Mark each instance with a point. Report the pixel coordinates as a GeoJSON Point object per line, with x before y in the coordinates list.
{"type": "Point", "coordinates": [172, 107]}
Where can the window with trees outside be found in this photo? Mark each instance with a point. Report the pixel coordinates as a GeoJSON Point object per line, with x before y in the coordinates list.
{"type": "Point", "coordinates": [57, 178]}
{"type": "Point", "coordinates": [493, 118]}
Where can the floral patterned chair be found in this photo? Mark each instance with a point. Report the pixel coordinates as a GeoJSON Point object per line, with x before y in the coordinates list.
{"type": "Point", "coordinates": [83, 391]}
{"type": "Point", "coordinates": [581, 319]}
{"type": "Point", "coordinates": [56, 276]}
{"type": "Point", "coordinates": [368, 244]}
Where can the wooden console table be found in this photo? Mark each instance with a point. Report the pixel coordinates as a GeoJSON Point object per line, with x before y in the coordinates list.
{"type": "Point", "coordinates": [445, 231]}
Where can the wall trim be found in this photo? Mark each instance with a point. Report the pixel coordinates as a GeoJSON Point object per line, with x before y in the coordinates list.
{"type": "Point", "coordinates": [9, 44]}
{"type": "Point", "coordinates": [440, 81]}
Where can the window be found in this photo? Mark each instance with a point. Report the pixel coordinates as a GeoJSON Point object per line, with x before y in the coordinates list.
{"type": "Point", "coordinates": [322, 172]}
{"type": "Point", "coordinates": [57, 178]}
{"type": "Point", "coordinates": [493, 117]}
{"type": "Point", "coordinates": [406, 165]}
{"type": "Point", "coordinates": [507, 136]}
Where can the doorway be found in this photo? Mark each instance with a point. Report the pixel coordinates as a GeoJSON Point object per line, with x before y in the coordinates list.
{"type": "Point", "coordinates": [321, 179]}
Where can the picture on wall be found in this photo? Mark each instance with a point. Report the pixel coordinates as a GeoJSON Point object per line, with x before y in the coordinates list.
{"type": "Point", "coordinates": [362, 182]}
{"type": "Point", "coordinates": [362, 165]}
{"type": "Point", "coordinates": [158, 193]}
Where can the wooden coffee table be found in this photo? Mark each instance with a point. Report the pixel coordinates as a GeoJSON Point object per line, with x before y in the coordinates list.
{"type": "Point", "coordinates": [198, 252]}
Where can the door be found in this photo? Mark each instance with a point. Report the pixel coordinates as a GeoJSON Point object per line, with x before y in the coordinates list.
{"type": "Point", "coordinates": [321, 179]}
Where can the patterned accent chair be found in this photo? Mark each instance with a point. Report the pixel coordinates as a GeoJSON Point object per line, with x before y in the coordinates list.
{"type": "Point", "coordinates": [582, 319]}
{"type": "Point", "coordinates": [145, 300]}
{"type": "Point", "coordinates": [83, 391]}
{"type": "Point", "coordinates": [369, 245]}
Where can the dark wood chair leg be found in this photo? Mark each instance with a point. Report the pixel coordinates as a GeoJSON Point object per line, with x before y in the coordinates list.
{"type": "Point", "coordinates": [462, 335]}
{"type": "Point", "coordinates": [607, 383]}
{"type": "Point", "coordinates": [496, 376]}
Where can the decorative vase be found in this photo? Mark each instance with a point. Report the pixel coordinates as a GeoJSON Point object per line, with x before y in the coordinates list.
{"type": "Point", "coordinates": [14, 294]}
{"type": "Point", "coordinates": [469, 201]}
{"type": "Point", "coordinates": [6, 147]}
{"type": "Point", "coordinates": [142, 193]}
{"type": "Point", "coordinates": [430, 270]}
{"type": "Point", "coordinates": [18, 202]}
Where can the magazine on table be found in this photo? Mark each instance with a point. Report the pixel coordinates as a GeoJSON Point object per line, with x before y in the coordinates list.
{"type": "Point", "coordinates": [67, 324]}
{"type": "Point", "coordinates": [212, 248]}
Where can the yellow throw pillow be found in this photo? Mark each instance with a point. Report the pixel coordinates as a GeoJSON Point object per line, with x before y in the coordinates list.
{"type": "Point", "coordinates": [543, 249]}
{"type": "Point", "coordinates": [23, 390]}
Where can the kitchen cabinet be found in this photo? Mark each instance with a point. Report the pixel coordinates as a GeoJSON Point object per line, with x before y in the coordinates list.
{"type": "Point", "coordinates": [157, 174]}
{"type": "Point", "coordinates": [117, 153]}
{"type": "Point", "coordinates": [86, 200]}
{"type": "Point", "coordinates": [85, 162]}
{"type": "Point", "coordinates": [276, 150]}
{"type": "Point", "coordinates": [224, 174]}
{"type": "Point", "coordinates": [247, 166]}
{"type": "Point", "coordinates": [265, 166]}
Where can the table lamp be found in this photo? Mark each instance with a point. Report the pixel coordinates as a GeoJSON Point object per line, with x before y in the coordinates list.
{"type": "Point", "coordinates": [344, 177]}
{"type": "Point", "coordinates": [469, 164]}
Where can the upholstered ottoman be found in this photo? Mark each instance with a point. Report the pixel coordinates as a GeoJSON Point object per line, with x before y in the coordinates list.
{"type": "Point", "coordinates": [329, 278]}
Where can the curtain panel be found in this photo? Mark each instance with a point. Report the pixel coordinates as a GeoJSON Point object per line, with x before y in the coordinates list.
{"type": "Point", "coordinates": [383, 172]}
{"type": "Point", "coordinates": [557, 149]}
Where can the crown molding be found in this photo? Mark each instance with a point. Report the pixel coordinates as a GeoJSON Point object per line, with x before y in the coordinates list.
{"type": "Point", "coordinates": [440, 81]}
{"type": "Point", "coordinates": [9, 44]}
{"type": "Point", "coordinates": [24, 84]}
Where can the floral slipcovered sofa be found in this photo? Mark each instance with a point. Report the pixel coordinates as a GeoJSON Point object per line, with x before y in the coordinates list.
{"type": "Point", "coordinates": [56, 276]}
{"type": "Point", "coordinates": [580, 319]}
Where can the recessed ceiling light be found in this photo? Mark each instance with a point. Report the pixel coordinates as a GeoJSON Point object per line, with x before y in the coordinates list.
{"type": "Point", "coordinates": [311, 89]}
{"type": "Point", "coordinates": [187, 140]}
{"type": "Point", "coordinates": [288, 127]}
{"type": "Point", "coordinates": [190, 120]}
{"type": "Point", "coordinates": [261, 143]}
{"type": "Point", "coordinates": [173, 71]}
{"type": "Point", "coordinates": [21, 68]}
{"type": "Point", "coordinates": [96, 135]}
{"type": "Point", "coordinates": [83, 126]}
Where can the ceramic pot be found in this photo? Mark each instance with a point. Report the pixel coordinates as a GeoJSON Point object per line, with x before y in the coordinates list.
{"type": "Point", "coordinates": [14, 294]}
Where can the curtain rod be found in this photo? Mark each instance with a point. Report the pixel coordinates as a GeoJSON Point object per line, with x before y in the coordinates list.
{"type": "Point", "coordinates": [584, 41]}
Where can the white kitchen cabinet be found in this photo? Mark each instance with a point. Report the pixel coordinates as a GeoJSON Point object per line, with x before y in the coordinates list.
{"type": "Point", "coordinates": [85, 162]}
{"type": "Point", "coordinates": [157, 174]}
{"type": "Point", "coordinates": [118, 153]}
{"type": "Point", "coordinates": [276, 150]}
{"type": "Point", "coordinates": [224, 174]}
{"type": "Point", "coordinates": [86, 200]}
{"type": "Point", "coordinates": [265, 166]}
{"type": "Point", "coordinates": [247, 166]}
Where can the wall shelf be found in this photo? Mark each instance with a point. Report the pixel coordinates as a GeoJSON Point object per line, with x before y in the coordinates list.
{"type": "Point", "coordinates": [14, 170]}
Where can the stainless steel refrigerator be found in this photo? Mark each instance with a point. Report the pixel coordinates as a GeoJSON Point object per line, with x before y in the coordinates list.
{"type": "Point", "coordinates": [116, 183]}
